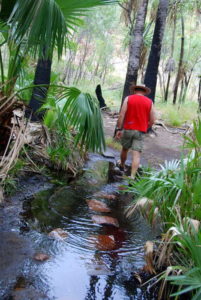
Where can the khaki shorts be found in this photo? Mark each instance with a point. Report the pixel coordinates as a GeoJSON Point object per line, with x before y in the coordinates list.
{"type": "Point", "coordinates": [132, 139]}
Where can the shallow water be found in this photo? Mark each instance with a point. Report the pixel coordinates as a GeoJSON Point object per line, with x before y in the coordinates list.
{"type": "Point", "coordinates": [79, 267]}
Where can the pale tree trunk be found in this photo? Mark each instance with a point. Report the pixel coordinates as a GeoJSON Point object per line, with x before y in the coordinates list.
{"type": "Point", "coordinates": [171, 55]}
{"type": "Point", "coordinates": [82, 60]}
{"type": "Point", "coordinates": [155, 53]}
{"type": "Point", "coordinates": [199, 95]}
{"type": "Point", "coordinates": [178, 77]}
{"type": "Point", "coordinates": [135, 48]}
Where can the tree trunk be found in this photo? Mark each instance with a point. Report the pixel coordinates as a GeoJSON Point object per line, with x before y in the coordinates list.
{"type": "Point", "coordinates": [181, 91]}
{"type": "Point", "coordinates": [82, 60]}
{"type": "Point", "coordinates": [178, 77]}
{"type": "Point", "coordinates": [199, 95]}
{"type": "Point", "coordinates": [167, 87]}
{"type": "Point", "coordinates": [155, 53]}
{"type": "Point", "coordinates": [99, 96]}
{"type": "Point", "coordinates": [42, 76]}
{"type": "Point", "coordinates": [135, 48]}
{"type": "Point", "coordinates": [171, 55]}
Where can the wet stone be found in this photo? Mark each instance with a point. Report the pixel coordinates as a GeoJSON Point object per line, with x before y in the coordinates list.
{"type": "Point", "coordinates": [108, 154]}
{"type": "Point", "coordinates": [105, 196]}
{"type": "Point", "coordinates": [104, 242]}
{"type": "Point", "coordinates": [58, 234]}
{"type": "Point", "coordinates": [41, 257]}
{"type": "Point", "coordinates": [98, 206]}
{"type": "Point", "coordinates": [105, 220]}
{"type": "Point", "coordinates": [28, 293]}
{"type": "Point", "coordinates": [98, 268]}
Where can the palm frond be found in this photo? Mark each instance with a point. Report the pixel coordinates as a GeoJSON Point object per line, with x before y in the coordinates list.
{"type": "Point", "coordinates": [46, 23]}
{"type": "Point", "coordinates": [79, 111]}
{"type": "Point", "coordinates": [190, 280]}
{"type": "Point", "coordinates": [83, 113]}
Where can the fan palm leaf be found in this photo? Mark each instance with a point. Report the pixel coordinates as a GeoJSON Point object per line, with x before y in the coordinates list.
{"type": "Point", "coordinates": [46, 23]}
{"type": "Point", "coordinates": [80, 111]}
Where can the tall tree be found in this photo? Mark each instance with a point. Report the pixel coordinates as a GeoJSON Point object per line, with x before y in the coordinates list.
{"type": "Point", "coordinates": [155, 53]}
{"type": "Point", "coordinates": [179, 72]}
{"type": "Point", "coordinates": [199, 95]}
{"type": "Point", "coordinates": [135, 48]}
{"type": "Point", "coordinates": [170, 67]}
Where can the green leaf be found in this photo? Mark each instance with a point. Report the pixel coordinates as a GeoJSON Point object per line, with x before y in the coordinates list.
{"type": "Point", "coordinates": [46, 23]}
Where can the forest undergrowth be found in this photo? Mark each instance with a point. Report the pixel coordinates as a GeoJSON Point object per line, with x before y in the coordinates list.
{"type": "Point", "coordinates": [170, 197]}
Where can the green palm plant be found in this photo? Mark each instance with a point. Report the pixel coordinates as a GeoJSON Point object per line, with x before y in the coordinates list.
{"type": "Point", "coordinates": [70, 108]}
{"type": "Point", "coordinates": [37, 27]}
{"type": "Point", "coordinates": [175, 186]}
{"type": "Point", "coordinates": [46, 23]}
{"type": "Point", "coordinates": [190, 251]}
{"type": "Point", "coordinates": [163, 187]}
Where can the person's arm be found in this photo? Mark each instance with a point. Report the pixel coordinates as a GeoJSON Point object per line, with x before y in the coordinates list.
{"type": "Point", "coordinates": [121, 118]}
{"type": "Point", "coordinates": [152, 116]}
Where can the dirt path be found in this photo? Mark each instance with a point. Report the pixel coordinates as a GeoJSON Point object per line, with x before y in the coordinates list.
{"type": "Point", "coordinates": [157, 149]}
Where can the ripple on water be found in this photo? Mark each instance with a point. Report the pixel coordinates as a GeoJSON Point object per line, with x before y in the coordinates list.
{"type": "Point", "coordinates": [79, 268]}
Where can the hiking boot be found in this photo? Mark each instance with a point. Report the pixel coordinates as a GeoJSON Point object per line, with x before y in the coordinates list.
{"type": "Point", "coordinates": [122, 169]}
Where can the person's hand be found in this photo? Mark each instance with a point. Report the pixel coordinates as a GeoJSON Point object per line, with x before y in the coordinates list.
{"type": "Point", "coordinates": [118, 135]}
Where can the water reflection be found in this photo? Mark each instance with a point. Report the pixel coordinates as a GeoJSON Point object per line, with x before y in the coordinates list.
{"type": "Point", "coordinates": [94, 261]}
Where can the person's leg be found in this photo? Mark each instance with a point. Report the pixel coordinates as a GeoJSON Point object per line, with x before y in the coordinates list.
{"type": "Point", "coordinates": [123, 156]}
{"type": "Point", "coordinates": [135, 163]}
{"type": "Point", "coordinates": [126, 142]}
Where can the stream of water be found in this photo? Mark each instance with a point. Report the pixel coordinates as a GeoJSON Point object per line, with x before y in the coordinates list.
{"type": "Point", "coordinates": [83, 266]}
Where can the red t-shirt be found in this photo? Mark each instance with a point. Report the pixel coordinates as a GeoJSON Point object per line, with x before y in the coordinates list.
{"type": "Point", "coordinates": [138, 113]}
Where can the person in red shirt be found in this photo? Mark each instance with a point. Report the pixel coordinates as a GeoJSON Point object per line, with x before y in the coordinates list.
{"type": "Point", "coordinates": [136, 116]}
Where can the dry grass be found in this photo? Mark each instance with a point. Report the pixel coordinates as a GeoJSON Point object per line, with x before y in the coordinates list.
{"type": "Point", "coordinates": [10, 156]}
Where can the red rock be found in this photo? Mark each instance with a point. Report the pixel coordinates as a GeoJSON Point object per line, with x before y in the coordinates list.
{"type": "Point", "coordinates": [98, 206]}
{"type": "Point", "coordinates": [105, 242]}
{"type": "Point", "coordinates": [102, 220]}
{"type": "Point", "coordinates": [58, 234]}
{"type": "Point", "coordinates": [41, 256]}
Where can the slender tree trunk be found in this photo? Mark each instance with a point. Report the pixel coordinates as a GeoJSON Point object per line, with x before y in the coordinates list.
{"type": "Point", "coordinates": [187, 82]}
{"type": "Point", "coordinates": [199, 95]}
{"type": "Point", "coordinates": [96, 68]}
{"type": "Point", "coordinates": [178, 77]}
{"type": "Point", "coordinates": [172, 53]}
{"type": "Point", "coordinates": [167, 87]}
{"type": "Point", "coordinates": [42, 76]}
{"type": "Point", "coordinates": [155, 53]}
{"type": "Point", "coordinates": [181, 91]}
{"type": "Point", "coordinates": [161, 83]}
{"type": "Point", "coordinates": [81, 64]}
{"type": "Point", "coordinates": [135, 48]}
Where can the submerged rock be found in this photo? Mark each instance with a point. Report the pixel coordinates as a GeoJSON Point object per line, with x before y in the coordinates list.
{"type": "Point", "coordinates": [104, 242]}
{"type": "Point", "coordinates": [98, 206]}
{"type": "Point", "coordinates": [41, 256]}
{"type": "Point", "coordinates": [58, 234]}
{"type": "Point", "coordinates": [105, 220]}
{"type": "Point", "coordinates": [105, 196]}
{"type": "Point", "coordinates": [97, 267]}
{"type": "Point", "coordinates": [108, 154]}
